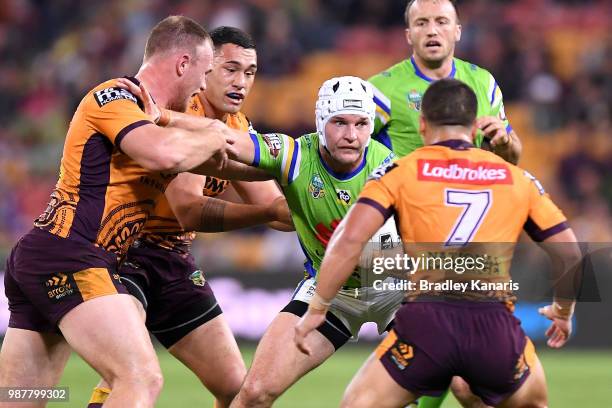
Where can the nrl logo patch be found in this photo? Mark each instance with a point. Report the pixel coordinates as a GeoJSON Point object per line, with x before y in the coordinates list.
{"type": "Point", "coordinates": [344, 196]}
{"type": "Point", "coordinates": [316, 187]}
{"type": "Point", "coordinates": [274, 143]}
{"type": "Point", "coordinates": [197, 277]}
{"type": "Point", "coordinates": [414, 100]}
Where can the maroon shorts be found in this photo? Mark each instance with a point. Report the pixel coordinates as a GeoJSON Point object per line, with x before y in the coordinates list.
{"type": "Point", "coordinates": [481, 342]}
{"type": "Point", "coordinates": [171, 288]}
{"type": "Point", "coordinates": [47, 276]}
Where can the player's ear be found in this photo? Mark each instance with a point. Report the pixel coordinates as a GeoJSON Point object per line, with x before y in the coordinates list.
{"type": "Point", "coordinates": [458, 33]}
{"type": "Point", "coordinates": [422, 126]}
{"type": "Point", "coordinates": [182, 63]}
{"type": "Point", "coordinates": [407, 34]}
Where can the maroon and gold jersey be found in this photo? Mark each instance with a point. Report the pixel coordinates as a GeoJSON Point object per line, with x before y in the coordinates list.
{"type": "Point", "coordinates": [102, 195]}
{"type": "Point", "coordinates": [463, 201]}
{"type": "Point", "coordinates": [162, 228]}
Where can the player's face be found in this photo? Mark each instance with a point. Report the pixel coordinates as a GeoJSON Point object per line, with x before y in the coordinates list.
{"type": "Point", "coordinates": [232, 77]}
{"type": "Point", "coordinates": [433, 30]}
{"type": "Point", "coordinates": [346, 136]}
{"type": "Point", "coordinates": [193, 75]}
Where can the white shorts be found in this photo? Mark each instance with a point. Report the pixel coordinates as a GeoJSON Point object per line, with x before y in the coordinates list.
{"type": "Point", "coordinates": [357, 306]}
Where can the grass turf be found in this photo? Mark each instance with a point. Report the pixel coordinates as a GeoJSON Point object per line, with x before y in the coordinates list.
{"type": "Point", "coordinates": [575, 379]}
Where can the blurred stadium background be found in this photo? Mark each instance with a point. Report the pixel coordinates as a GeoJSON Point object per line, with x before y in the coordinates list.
{"type": "Point", "coordinates": [552, 59]}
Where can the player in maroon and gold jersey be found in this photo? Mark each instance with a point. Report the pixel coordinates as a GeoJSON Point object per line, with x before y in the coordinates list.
{"type": "Point", "coordinates": [471, 203]}
{"type": "Point", "coordinates": [160, 271]}
{"type": "Point", "coordinates": [61, 277]}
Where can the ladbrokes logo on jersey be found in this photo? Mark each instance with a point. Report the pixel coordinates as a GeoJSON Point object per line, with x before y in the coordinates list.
{"type": "Point", "coordinates": [464, 171]}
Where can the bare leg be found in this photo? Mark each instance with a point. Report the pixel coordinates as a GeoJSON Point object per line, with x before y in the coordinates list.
{"type": "Point", "coordinates": [461, 390]}
{"type": "Point", "coordinates": [372, 386]}
{"type": "Point", "coordinates": [533, 393]}
{"type": "Point", "coordinates": [211, 352]}
{"type": "Point", "coordinates": [278, 363]}
{"type": "Point", "coordinates": [109, 334]}
{"type": "Point", "coordinates": [31, 359]}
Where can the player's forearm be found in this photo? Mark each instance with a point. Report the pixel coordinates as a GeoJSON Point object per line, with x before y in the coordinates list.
{"type": "Point", "coordinates": [232, 170]}
{"type": "Point", "coordinates": [511, 151]}
{"type": "Point", "coordinates": [281, 226]}
{"type": "Point", "coordinates": [566, 258]}
{"type": "Point", "coordinates": [186, 150]}
{"type": "Point", "coordinates": [217, 215]}
{"type": "Point", "coordinates": [188, 122]}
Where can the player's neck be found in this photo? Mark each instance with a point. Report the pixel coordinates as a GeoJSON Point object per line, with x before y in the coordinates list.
{"type": "Point", "coordinates": [337, 167]}
{"type": "Point", "coordinates": [151, 78]}
{"type": "Point", "coordinates": [210, 111]}
{"type": "Point", "coordinates": [434, 70]}
{"type": "Point", "coordinates": [446, 133]}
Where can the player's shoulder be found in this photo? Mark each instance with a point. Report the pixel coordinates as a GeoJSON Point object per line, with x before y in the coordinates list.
{"type": "Point", "coordinates": [195, 106]}
{"type": "Point", "coordinates": [470, 72]}
{"type": "Point", "coordinates": [389, 76]}
{"type": "Point", "coordinates": [107, 92]}
{"type": "Point", "coordinates": [239, 121]}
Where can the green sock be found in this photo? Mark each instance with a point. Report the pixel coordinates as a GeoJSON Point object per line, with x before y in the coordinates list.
{"type": "Point", "coordinates": [432, 402]}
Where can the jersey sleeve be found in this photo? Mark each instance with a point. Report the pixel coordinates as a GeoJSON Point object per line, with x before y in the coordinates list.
{"type": "Point", "coordinates": [496, 102]}
{"type": "Point", "coordinates": [378, 191]}
{"type": "Point", "coordinates": [114, 112]}
{"type": "Point", "coordinates": [278, 154]}
{"type": "Point", "coordinates": [545, 218]}
{"type": "Point", "coordinates": [383, 114]}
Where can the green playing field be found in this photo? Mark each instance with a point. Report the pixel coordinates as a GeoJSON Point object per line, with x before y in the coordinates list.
{"type": "Point", "coordinates": [576, 379]}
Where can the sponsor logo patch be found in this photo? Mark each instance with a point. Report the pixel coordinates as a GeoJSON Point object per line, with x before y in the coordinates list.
{"type": "Point", "coordinates": [463, 171]}
{"type": "Point", "coordinates": [352, 103]}
{"type": "Point", "coordinates": [344, 196]}
{"type": "Point", "coordinates": [107, 95]}
{"type": "Point", "coordinates": [401, 354]}
{"type": "Point", "coordinates": [60, 286]}
{"type": "Point", "coordinates": [386, 241]}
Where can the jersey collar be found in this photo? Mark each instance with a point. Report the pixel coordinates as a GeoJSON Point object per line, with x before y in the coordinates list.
{"type": "Point", "coordinates": [344, 176]}
{"type": "Point", "coordinates": [455, 144]}
{"type": "Point", "coordinates": [420, 73]}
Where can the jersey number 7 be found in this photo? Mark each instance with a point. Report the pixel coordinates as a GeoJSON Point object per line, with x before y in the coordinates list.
{"type": "Point", "coordinates": [476, 204]}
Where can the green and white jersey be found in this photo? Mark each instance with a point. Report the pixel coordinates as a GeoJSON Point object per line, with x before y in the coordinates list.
{"type": "Point", "coordinates": [318, 197]}
{"type": "Point", "coordinates": [398, 92]}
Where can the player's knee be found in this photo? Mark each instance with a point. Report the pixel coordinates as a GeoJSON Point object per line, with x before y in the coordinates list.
{"type": "Point", "coordinates": [257, 393]}
{"type": "Point", "coordinates": [147, 380]}
{"type": "Point", "coordinates": [229, 388]}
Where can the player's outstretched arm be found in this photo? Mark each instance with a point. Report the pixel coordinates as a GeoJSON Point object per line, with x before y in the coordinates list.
{"type": "Point", "coordinates": [565, 254]}
{"type": "Point", "coordinates": [196, 212]}
{"type": "Point", "coordinates": [341, 257]}
{"type": "Point", "coordinates": [173, 150]}
{"type": "Point", "coordinates": [265, 192]}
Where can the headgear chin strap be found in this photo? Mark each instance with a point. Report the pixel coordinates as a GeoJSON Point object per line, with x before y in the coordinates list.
{"type": "Point", "coordinates": [344, 95]}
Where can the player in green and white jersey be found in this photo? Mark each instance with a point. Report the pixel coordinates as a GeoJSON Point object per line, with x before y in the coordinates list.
{"type": "Point", "coordinates": [432, 30]}
{"type": "Point", "coordinates": [321, 175]}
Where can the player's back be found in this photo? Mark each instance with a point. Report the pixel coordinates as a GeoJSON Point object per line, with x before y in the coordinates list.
{"type": "Point", "coordinates": [452, 199]}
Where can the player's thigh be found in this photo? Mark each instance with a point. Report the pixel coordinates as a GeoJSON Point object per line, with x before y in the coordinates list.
{"type": "Point", "coordinates": [108, 332]}
{"type": "Point", "coordinates": [372, 386]}
{"type": "Point", "coordinates": [533, 393]}
{"type": "Point", "coordinates": [211, 352]}
{"type": "Point", "coordinates": [30, 358]}
{"type": "Point", "coordinates": [463, 393]}
{"type": "Point", "coordinates": [278, 363]}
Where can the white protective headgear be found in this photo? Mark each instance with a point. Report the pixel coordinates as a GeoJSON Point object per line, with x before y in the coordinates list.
{"type": "Point", "coordinates": [347, 94]}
